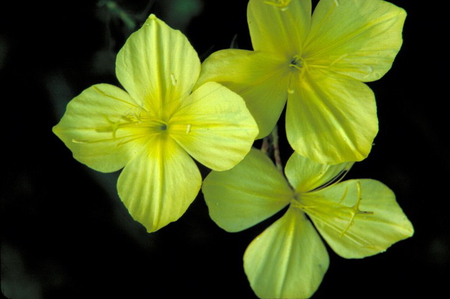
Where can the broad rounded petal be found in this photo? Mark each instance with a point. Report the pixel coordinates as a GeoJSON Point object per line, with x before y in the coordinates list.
{"type": "Point", "coordinates": [247, 194]}
{"type": "Point", "coordinates": [306, 175]}
{"type": "Point", "coordinates": [92, 128]}
{"type": "Point", "coordinates": [157, 66]}
{"type": "Point", "coordinates": [331, 119]}
{"type": "Point", "coordinates": [214, 126]}
{"type": "Point", "coordinates": [288, 260]}
{"type": "Point", "coordinates": [355, 38]}
{"type": "Point", "coordinates": [158, 186]}
{"type": "Point", "coordinates": [262, 79]}
{"type": "Point", "coordinates": [279, 26]}
{"type": "Point", "coordinates": [357, 218]}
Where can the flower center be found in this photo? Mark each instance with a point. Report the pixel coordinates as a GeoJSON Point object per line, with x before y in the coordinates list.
{"type": "Point", "coordinates": [299, 65]}
{"type": "Point", "coordinates": [297, 62]}
{"type": "Point", "coordinates": [133, 123]}
{"type": "Point", "coordinates": [163, 127]}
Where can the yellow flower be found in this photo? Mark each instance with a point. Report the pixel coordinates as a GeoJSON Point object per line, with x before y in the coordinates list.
{"type": "Point", "coordinates": [318, 65]}
{"type": "Point", "coordinates": [153, 126]}
{"type": "Point", "coordinates": [357, 218]}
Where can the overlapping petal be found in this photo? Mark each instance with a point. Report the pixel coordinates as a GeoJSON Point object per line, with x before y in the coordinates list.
{"type": "Point", "coordinates": [305, 175]}
{"type": "Point", "coordinates": [160, 183]}
{"type": "Point", "coordinates": [261, 78]}
{"type": "Point", "coordinates": [331, 119]}
{"type": "Point", "coordinates": [158, 67]}
{"type": "Point", "coordinates": [279, 28]}
{"type": "Point", "coordinates": [357, 218]}
{"type": "Point", "coordinates": [92, 128]}
{"type": "Point", "coordinates": [214, 126]}
{"type": "Point", "coordinates": [288, 260]}
{"type": "Point", "coordinates": [247, 194]}
{"type": "Point", "coordinates": [355, 38]}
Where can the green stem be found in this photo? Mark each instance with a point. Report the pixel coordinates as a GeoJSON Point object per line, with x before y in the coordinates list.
{"type": "Point", "coordinates": [276, 149]}
{"type": "Point", "coordinates": [117, 11]}
{"type": "Point", "coordinates": [270, 144]}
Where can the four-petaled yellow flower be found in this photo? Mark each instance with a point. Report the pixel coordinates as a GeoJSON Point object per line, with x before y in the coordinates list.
{"type": "Point", "coordinates": [317, 63]}
{"type": "Point", "coordinates": [153, 126]}
{"type": "Point", "coordinates": [357, 218]}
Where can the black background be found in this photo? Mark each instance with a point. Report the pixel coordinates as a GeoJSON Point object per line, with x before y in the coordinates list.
{"type": "Point", "coordinates": [64, 232]}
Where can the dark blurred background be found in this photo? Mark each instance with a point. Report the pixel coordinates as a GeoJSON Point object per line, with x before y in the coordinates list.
{"type": "Point", "coordinates": [64, 232]}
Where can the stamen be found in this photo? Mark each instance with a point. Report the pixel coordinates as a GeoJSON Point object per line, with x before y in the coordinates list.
{"type": "Point", "coordinates": [113, 127]}
{"type": "Point", "coordinates": [297, 62]}
{"type": "Point", "coordinates": [282, 4]}
{"type": "Point", "coordinates": [336, 179]}
{"type": "Point", "coordinates": [133, 120]}
{"type": "Point", "coordinates": [173, 79]}
{"type": "Point", "coordinates": [355, 209]}
{"type": "Point", "coordinates": [338, 59]}
{"type": "Point", "coordinates": [332, 214]}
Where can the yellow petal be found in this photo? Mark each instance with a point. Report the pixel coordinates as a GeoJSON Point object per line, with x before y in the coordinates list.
{"type": "Point", "coordinates": [247, 194]}
{"type": "Point", "coordinates": [159, 184]}
{"type": "Point", "coordinates": [288, 260]}
{"type": "Point", "coordinates": [279, 26]}
{"type": "Point", "coordinates": [92, 128]}
{"type": "Point", "coordinates": [355, 38]}
{"type": "Point", "coordinates": [305, 175]}
{"type": "Point", "coordinates": [357, 218]}
{"type": "Point", "coordinates": [158, 66]}
{"type": "Point", "coordinates": [262, 79]}
{"type": "Point", "coordinates": [214, 126]}
{"type": "Point", "coordinates": [331, 119]}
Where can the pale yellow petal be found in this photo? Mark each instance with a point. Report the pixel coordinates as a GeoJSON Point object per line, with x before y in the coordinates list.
{"type": "Point", "coordinates": [94, 128]}
{"type": "Point", "coordinates": [331, 119]}
{"type": "Point", "coordinates": [279, 26]}
{"type": "Point", "coordinates": [357, 218]}
{"type": "Point", "coordinates": [355, 38]}
{"type": "Point", "coordinates": [247, 194]}
{"type": "Point", "coordinates": [262, 79]}
{"type": "Point", "coordinates": [214, 126]}
{"type": "Point", "coordinates": [159, 184]}
{"type": "Point", "coordinates": [288, 260]}
{"type": "Point", "coordinates": [158, 67]}
{"type": "Point", "coordinates": [305, 175]}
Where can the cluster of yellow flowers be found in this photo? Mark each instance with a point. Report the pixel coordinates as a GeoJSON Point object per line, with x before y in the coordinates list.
{"type": "Point", "coordinates": [172, 109]}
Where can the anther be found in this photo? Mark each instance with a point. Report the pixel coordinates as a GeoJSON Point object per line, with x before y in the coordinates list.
{"type": "Point", "coordinates": [173, 79]}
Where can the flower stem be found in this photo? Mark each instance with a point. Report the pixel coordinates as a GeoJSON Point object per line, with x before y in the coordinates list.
{"type": "Point", "coordinates": [276, 149]}
{"type": "Point", "coordinates": [270, 145]}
